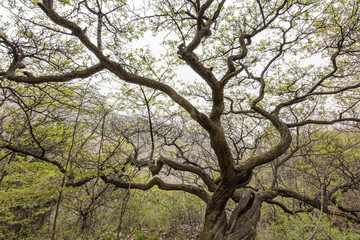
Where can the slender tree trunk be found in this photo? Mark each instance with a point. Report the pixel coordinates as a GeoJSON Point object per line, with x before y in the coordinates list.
{"type": "Point", "coordinates": [122, 212]}
{"type": "Point", "coordinates": [84, 222]}
{"type": "Point", "coordinates": [56, 214]}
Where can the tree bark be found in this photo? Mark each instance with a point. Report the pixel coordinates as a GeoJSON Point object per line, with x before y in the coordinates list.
{"type": "Point", "coordinates": [215, 217]}
{"type": "Point", "coordinates": [245, 217]}
{"type": "Point", "coordinates": [242, 222]}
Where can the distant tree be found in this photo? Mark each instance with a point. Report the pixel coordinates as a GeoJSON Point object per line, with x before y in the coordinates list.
{"type": "Point", "coordinates": [323, 164]}
{"type": "Point", "coordinates": [261, 72]}
{"type": "Point", "coordinates": [54, 138]}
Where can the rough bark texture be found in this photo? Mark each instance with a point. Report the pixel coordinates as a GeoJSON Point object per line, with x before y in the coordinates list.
{"type": "Point", "coordinates": [245, 216]}
{"type": "Point", "coordinates": [215, 217]}
{"type": "Point", "coordinates": [242, 222]}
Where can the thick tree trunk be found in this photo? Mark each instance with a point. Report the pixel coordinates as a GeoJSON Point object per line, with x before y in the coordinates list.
{"type": "Point", "coordinates": [245, 217]}
{"type": "Point", "coordinates": [215, 217]}
{"type": "Point", "coordinates": [242, 223]}
{"type": "Point", "coordinates": [215, 225]}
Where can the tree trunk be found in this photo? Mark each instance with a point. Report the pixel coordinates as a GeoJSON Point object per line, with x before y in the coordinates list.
{"type": "Point", "coordinates": [84, 222]}
{"type": "Point", "coordinates": [215, 217]}
{"type": "Point", "coordinates": [245, 217]}
{"type": "Point", "coordinates": [242, 223]}
{"type": "Point", "coordinates": [215, 225]}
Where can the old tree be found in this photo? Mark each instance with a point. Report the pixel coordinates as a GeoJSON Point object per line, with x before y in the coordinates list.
{"type": "Point", "coordinates": [235, 94]}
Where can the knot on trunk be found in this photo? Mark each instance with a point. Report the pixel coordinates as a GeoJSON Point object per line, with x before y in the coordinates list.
{"type": "Point", "coordinates": [155, 167]}
{"type": "Point", "coordinates": [244, 178]}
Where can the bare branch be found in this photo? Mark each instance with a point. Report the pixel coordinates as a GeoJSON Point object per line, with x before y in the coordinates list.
{"type": "Point", "coordinates": [162, 185]}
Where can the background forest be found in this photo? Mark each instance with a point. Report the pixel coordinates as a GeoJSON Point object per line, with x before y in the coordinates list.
{"type": "Point", "coordinates": [180, 119]}
{"type": "Point", "coordinates": [38, 202]}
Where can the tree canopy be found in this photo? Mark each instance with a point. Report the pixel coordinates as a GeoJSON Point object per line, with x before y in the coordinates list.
{"type": "Point", "coordinates": [240, 102]}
